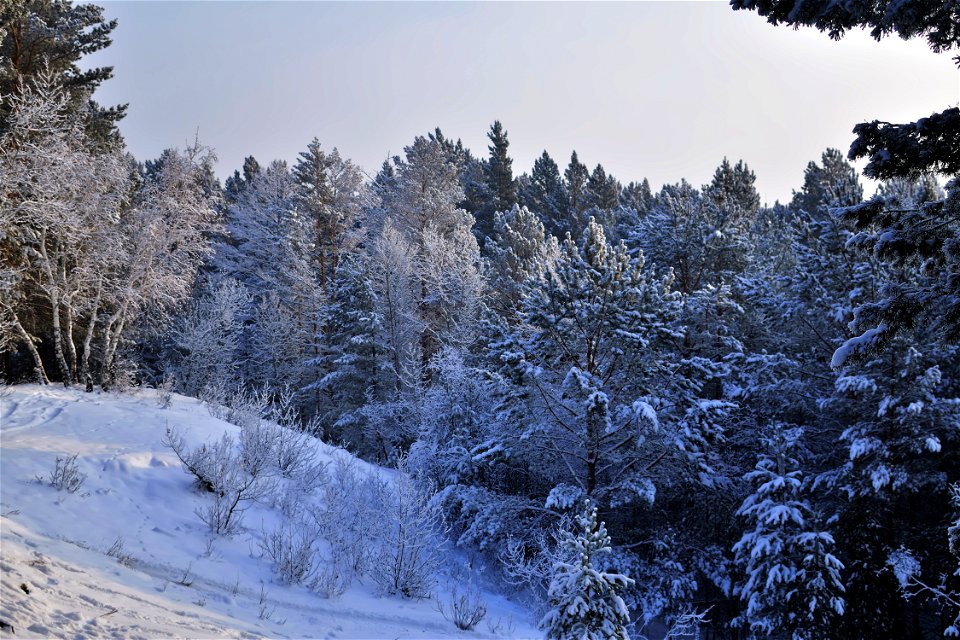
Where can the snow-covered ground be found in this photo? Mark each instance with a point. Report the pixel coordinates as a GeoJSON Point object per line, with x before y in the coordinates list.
{"type": "Point", "coordinates": [59, 581]}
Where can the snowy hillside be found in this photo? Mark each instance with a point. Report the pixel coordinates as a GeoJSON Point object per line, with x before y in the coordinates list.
{"type": "Point", "coordinates": [127, 555]}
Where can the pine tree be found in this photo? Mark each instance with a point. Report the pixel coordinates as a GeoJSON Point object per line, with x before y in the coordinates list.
{"type": "Point", "coordinates": [603, 191]}
{"type": "Point", "coordinates": [832, 183]}
{"type": "Point", "coordinates": [521, 249]}
{"type": "Point", "coordinates": [924, 235]}
{"type": "Point", "coordinates": [584, 600]}
{"type": "Point", "coordinates": [590, 357]}
{"type": "Point", "coordinates": [547, 196]}
{"type": "Point", "coordinates": [499, 170]}
{"type": "Point", "coordinates": [793, 587]}
{"type": "Point", "coordinates": [576, 176]}
{"type": "Point", "coordinates": [637, 196]}
{"type": "Point", "coordinates": [352, 363]}
{"type": "Point", "coordinates": [315, 203]}
{"type": "Point", "coordinates": [687, 231]}
{"type": "Point", "coordinates": [732, 188]}
{"type": "Point", "coordinates": [51, 36]}
{"type": "Point", "coordinates": [422, 206]}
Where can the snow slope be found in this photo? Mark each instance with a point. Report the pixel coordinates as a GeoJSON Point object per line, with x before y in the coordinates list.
{"type": "Point", "coordinates": [54, 544]}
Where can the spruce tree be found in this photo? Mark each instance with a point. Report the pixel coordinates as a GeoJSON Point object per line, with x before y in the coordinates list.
{"type": "Point", "coordinates": [584, 599]}
{"type": "Point", "coordinates": [315, 203]}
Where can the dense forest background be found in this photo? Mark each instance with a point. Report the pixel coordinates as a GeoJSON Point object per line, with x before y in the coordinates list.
{"type": "Point", "coordinates": [762, 402]}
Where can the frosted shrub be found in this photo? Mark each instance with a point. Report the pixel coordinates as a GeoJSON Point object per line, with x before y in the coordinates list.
{"type": "Point", "coordinates": [282, 409]}
{"type": "Point", "coordinates": [248, 407]}
{"type": "Point", "coordinates": [334, 577]}
{"type": "Point", "coordinates": [291, 548]}
{"type": "Point", "coordinates": [528, 565]}
{"type": "Point", "coordinates": [121, 377]}
{"type": "Point", "coordinates": [214, 395]}
{"type": "Point", "coordinates": [258, 441]}
{"type": "Point", "coordinates": [218, 471]}
{"type": "Point", "coordinates": [165, 392]}
{"type": "Point", "coordinates": [293, 453]}
{"type": "Point", "coordinates": [208, 464]}
{"type": "Point", "coordinates": [408, 555]}
{"type": "Point", "coordinates": [464, 608]}
{"type": "Point", "coordinates": [351, 518]}
{"type": "Point", "coordinates": [223, 515]}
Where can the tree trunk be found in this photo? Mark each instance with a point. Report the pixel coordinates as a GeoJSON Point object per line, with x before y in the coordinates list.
{"type": "Point", "coordinates": [67, 303]}
{"type": "Point", "coordinates": [111, 340]}
{"type": "Point", "coordinates": [53, 293]}
{"type": "Point", "coordinates": [88, 339]}
{"type": "Point", "coordinates": [28, 339]}
{"type": "Point", "coordinates": [71, 346]}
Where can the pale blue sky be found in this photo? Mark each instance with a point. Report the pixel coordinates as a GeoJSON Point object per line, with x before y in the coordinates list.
{"type": "Point", "coordinates": [652, 89]}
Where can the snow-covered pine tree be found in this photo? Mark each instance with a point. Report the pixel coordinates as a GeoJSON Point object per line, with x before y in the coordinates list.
{"type": "Point", "coordinates": [637, 196]}
{"type": "Point", "coordinates": [314, 197]}
{"type": "Point", "coordinates": [603, 191]}
{"type": "Point", "coordinates": [832, 183]}
{"type": "Point", "coordinates": [576, 176]}
{"type": "Point", "coordinates": [584, 599]}
{"type": "Point", "coordinates": [544, 193]}
{"type": "Point", "coordinates": [49, 38]}
{"type": "Point", "coordinates": [421, 202]}
{"type": "Point", "coordinates": [501, 186]}
{"type": "Point", "coordinates": [591, 359]}
{"type": "Point", "coordinates": [519, 249]}
{"type": "Point", "coordinates": [793, 587]}
{"type": "Point", "coordinates": [207, 341]}
{"type": "Point", "coordinates": [685, 231]}
{"type": "Point", "coordinates": [267, 250]}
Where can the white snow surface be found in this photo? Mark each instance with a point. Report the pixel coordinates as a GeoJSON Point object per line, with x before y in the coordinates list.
{"type": "Point", "coordinates": [54, 543]}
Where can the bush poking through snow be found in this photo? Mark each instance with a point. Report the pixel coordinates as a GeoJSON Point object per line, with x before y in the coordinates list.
{"type": "Point", "coordinates": [214, 396]}
{"type": "Point", "coordinates": [219, 472]}
{"type": "Point", "coordinates": [293, 453]}
{"type": "Point", "coordinates": [334, 577]}
{"type": "Point", "coordinates": [248, 407]}
{"type": "Point", "coordinates": [502, 627]}
{"type": "Point", "coordinates": [351, 519]}
{"type": "Point", "coordinates": [186, 578]}
{"type": "Point", "coordinates": [291, 548]}
{"type": "Point", "coordinates": [208, 464]}
{"type": "Point", "coordinates": [464, 607]}
{"type": "Point", "coordinates": [165, 392]}
{"type": "Point", "coordinates": [258, 441]}
{"type": "Point", "coordinates": [117, 551]}
{"type": "Point", "coordinates": [409, 554]}
{"type": "Point", "coordinates": [234, 491]}
{"type": "Point", "coordinates": [66, 474]}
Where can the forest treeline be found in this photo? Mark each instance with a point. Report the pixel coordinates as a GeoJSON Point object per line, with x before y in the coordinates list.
{"type": "Point", "coordinates": [762, 402]}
